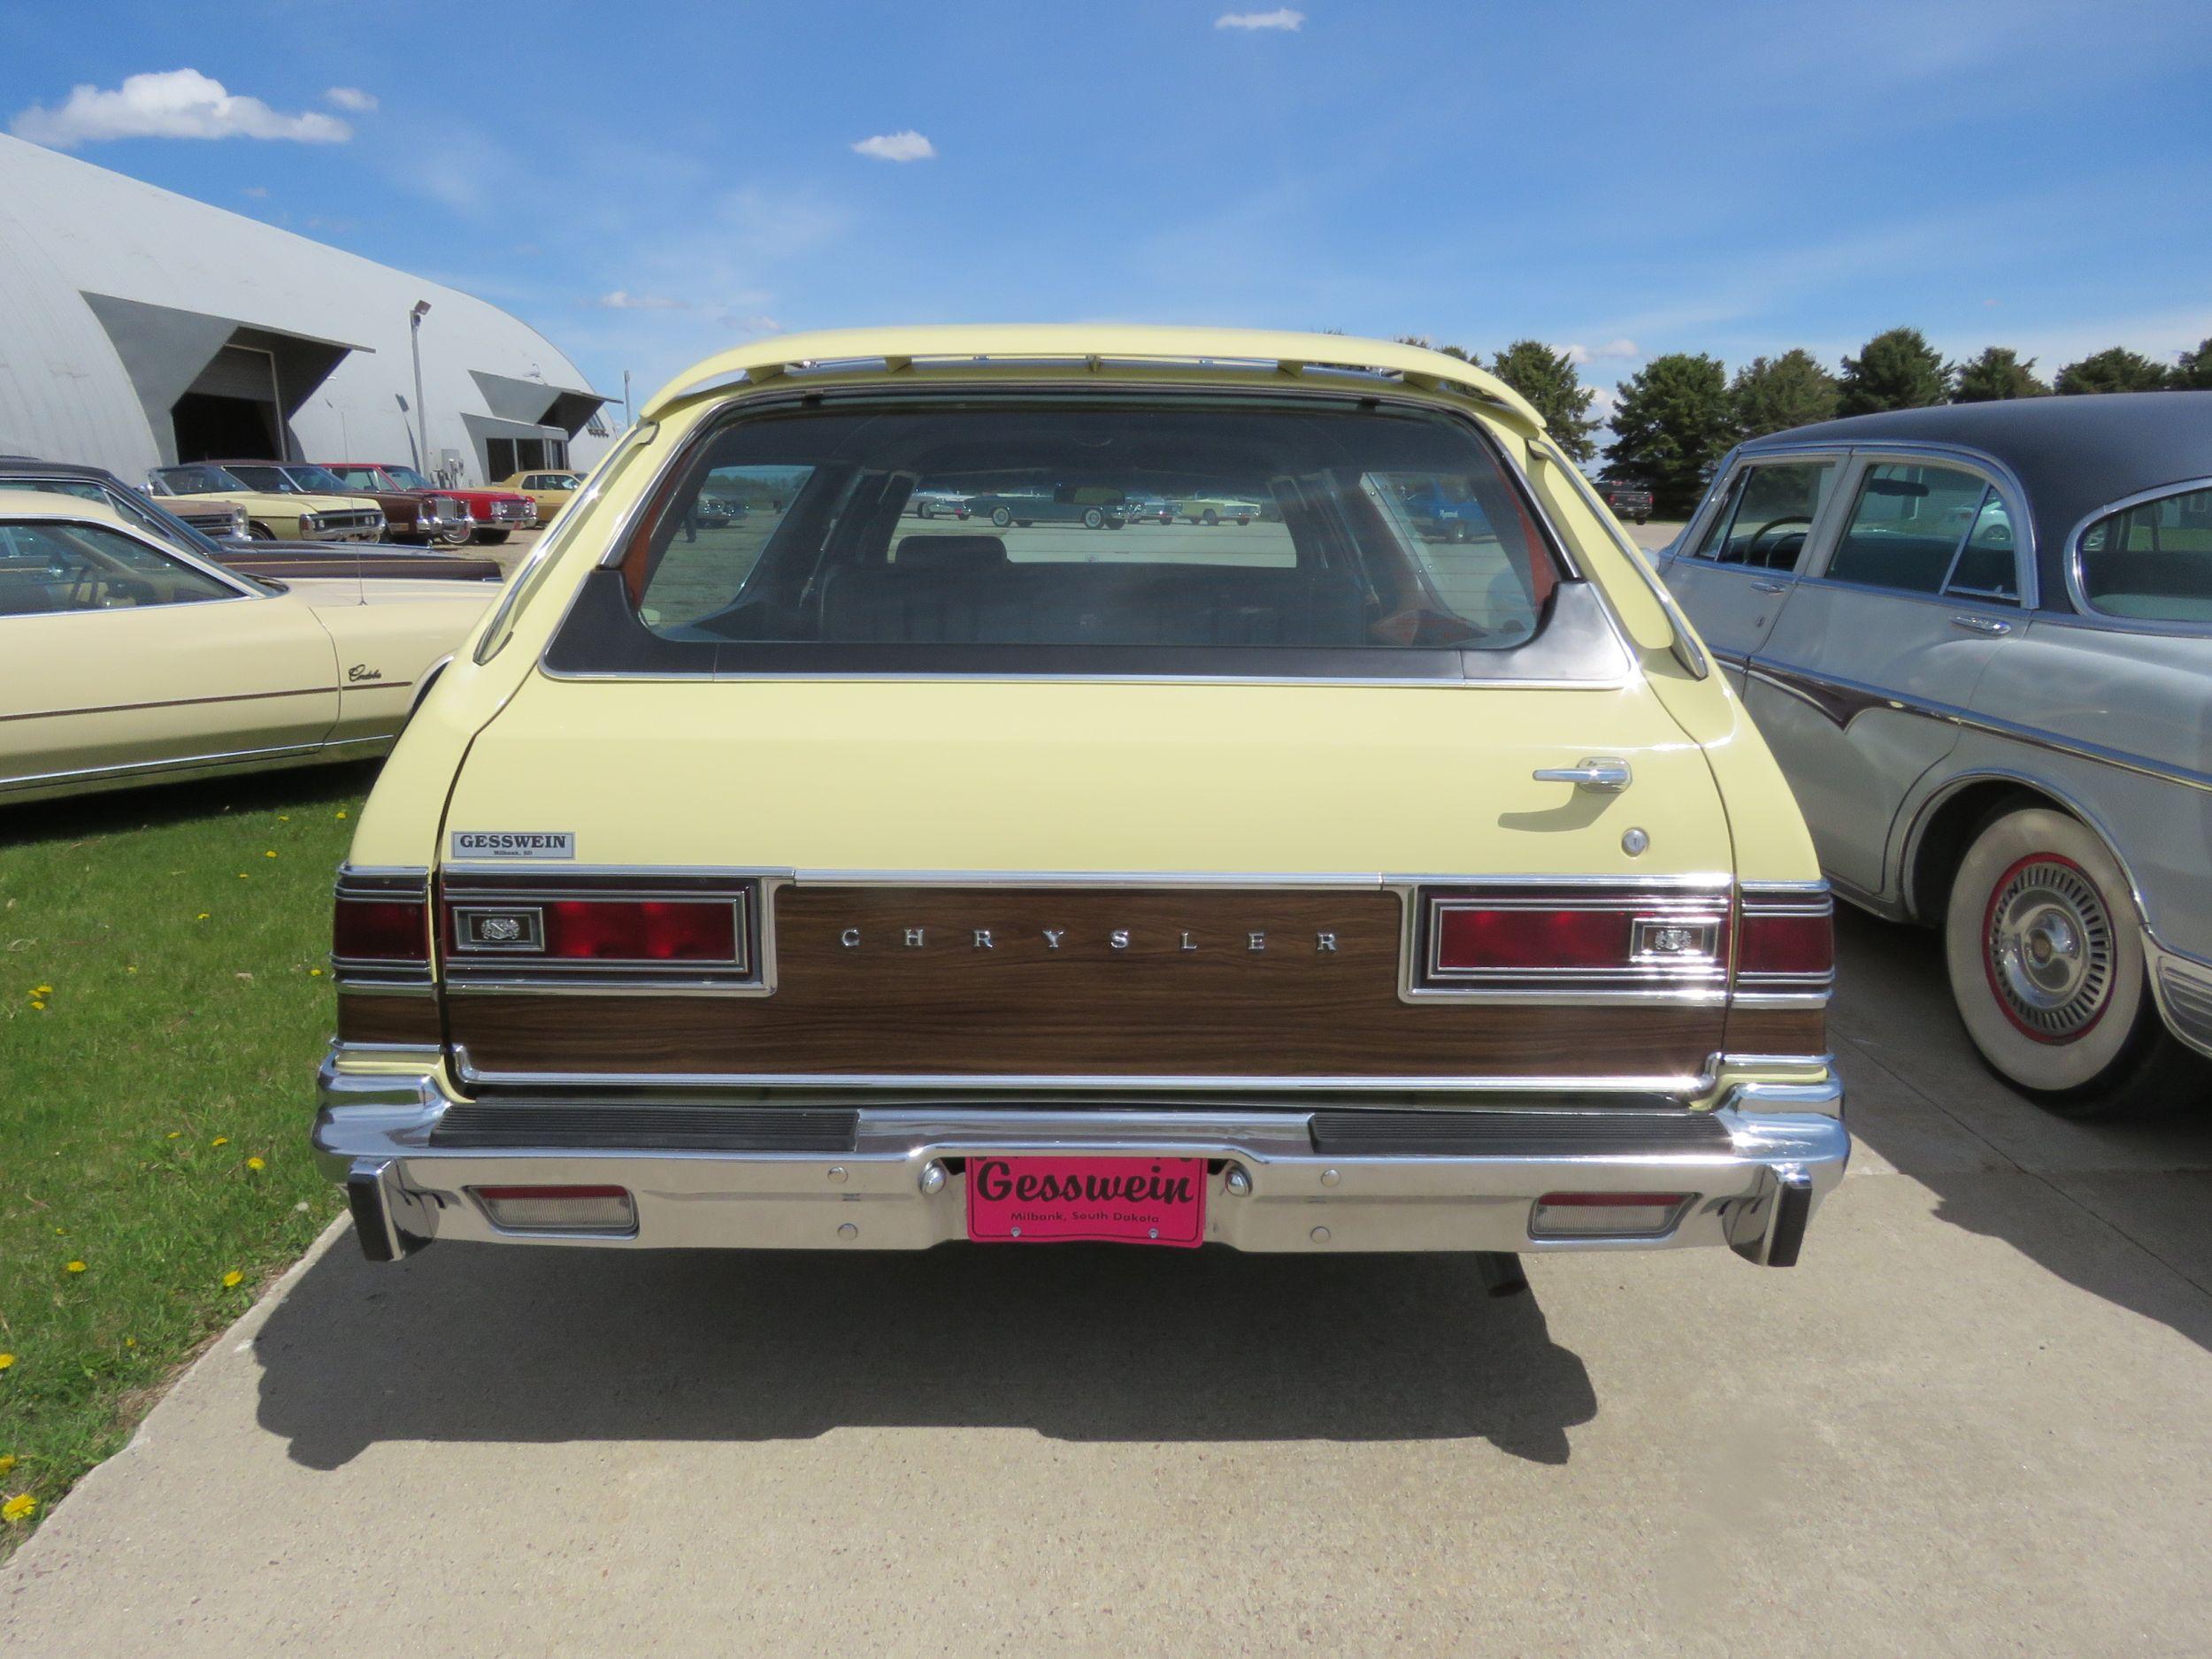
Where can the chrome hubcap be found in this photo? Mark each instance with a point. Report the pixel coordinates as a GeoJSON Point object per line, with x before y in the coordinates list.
{"type": "Point", "coordinates": [2049, 941]}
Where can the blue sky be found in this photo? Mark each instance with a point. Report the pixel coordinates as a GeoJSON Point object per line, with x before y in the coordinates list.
{"type": "Point", "coordinates": [647, 183]}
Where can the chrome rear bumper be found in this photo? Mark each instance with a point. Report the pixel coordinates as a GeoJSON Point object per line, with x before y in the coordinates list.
{"type": "Point", "coordinates": [895, 1179]}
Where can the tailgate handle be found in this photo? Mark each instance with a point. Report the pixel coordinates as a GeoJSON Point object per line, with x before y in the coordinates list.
{"type": "Point", "coordinates": [1603, 776]}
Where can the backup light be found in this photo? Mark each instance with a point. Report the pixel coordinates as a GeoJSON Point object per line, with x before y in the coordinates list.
{"type": "Point", "coordinates": [602, 1209]}
{"type": "Point", "coordinates": [1606, 1215]}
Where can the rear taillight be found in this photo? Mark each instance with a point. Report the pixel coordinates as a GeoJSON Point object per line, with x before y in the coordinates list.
{"type": "Point", "coordinates": [641, 930]}
{"type": "Point", "coordinates": [1606, 1215]}
{"type": "Point", "coordinates": [570, 929]}
{"type": "Point", "coordinates": [600, 1209]}
{"type": "Point", "coordinates": [1523, 938]}
{"type": "Point", "coordinates": [380, 930]}
{"type": "Point", "coordinates": [1786, 942]}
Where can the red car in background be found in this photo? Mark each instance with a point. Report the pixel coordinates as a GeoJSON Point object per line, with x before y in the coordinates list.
{"type": "Point", "coordinates": [498, 512]}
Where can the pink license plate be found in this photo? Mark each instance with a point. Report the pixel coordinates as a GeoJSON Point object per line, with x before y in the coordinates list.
{"type": "Point", "coordinates": [1123, 1200]}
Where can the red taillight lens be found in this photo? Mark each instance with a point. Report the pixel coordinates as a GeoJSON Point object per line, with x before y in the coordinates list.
{"type": "Point", "coordinates": [641, 930]}
{"type": "Point", "coordinates": [1469, 937]}
{"type": "Point", "coordinates": [380, 930]}
{"type": "Point", "coordinates": [1795, 942]}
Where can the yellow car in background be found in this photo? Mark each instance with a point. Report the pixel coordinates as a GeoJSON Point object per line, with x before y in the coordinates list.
{"type": "Point", "coordinates": [282, 502]}
{"type": "Point", "coordinates": [552, 487]}
{"type": "Point", "coordinates": [125, 660]}
{"type": "Point", "coordinates": [821, 878]}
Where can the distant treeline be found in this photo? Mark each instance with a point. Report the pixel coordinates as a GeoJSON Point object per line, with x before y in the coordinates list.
{"type": "Point", "coordinates": [1676, 417]}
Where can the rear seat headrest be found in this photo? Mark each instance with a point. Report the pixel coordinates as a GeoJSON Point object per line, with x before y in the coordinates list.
{"type": "Point", "coordinates": [950, 553]}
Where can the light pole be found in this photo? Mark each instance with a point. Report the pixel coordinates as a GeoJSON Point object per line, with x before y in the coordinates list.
{"type": "Point", "coordinates": [414, 339]}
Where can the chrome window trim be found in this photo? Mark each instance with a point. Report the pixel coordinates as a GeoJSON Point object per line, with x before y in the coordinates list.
{"type": "Point", "coordinates": [778, 391]}
{"type": "Point", "coordinates": [2077, 591]}
{"type": "Point", "coordinates": [1688, 649]}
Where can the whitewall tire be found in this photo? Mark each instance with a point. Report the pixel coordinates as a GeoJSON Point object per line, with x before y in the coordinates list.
{"type": "Point", "coordinates": [2046, 958]}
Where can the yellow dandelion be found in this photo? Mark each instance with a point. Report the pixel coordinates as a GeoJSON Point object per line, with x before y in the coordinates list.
{"type": "Point", "coordinates": [75, 1267]}
{"type": "Point", "coordinates": [7, 1461]}
{"type": "Point", "coordinates": [128, 969]}
{"type": "Point", "coordinates": [221, 1141]}
{"type": "Point", "coordinates": [243, 876]}
{"type": "Point", "coordinates": [6, 1360]}
{"type": "Point", "coordinates": [256, 1163]}
{"type": "Point", "coordinates": [270, 854]}
{"type": "Point", "coordinates": [314, 973]}
{"type": "Point", "coordinates": [130, 1341]}
{"type": "Point", "coordinates": [342, 811]}
{"type": "Point", "coordinates": [42, 990]}
{"type": "Point", "coordinates": [19, 1508]}
{"type": "Point", "coordinates": [284, 818]}
{"type": "Point", "coordinates": [38, 1005]}
{"type": "Point", "coordinates": [201, 917]}
{"type": "Point", "coordinates": [176, 1134]}
{"type": "Point", "coordinates": [233, 1279]}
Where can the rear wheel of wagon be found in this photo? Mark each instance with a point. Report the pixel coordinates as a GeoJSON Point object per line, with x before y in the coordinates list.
{"type": "Point", "coordinates": [2046, 966]}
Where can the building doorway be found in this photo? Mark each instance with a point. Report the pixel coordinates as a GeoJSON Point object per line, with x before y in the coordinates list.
{"type": "Point", "coordinates": [506, 456]}
{"type": "Point", "coordinates": [214, 428]}
{"type": "Point", "coordinates": [230, 410]}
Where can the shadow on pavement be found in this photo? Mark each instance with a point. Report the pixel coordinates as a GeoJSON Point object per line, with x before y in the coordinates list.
{"type": "Point", "coordinates": [2120, 1208]}
{"type": "Point", "coordinates": [146, 805]}
{"type": "Point", "coordinates": [497, 1344]}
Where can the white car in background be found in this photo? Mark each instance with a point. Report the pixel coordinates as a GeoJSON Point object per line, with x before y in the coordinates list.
{"type": "Point", "coordinates": [123, 660]}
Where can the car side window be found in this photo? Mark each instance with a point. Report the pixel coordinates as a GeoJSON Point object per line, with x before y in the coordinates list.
{"type": "Point", "coordinates": [1770, 514]}
{"type": "Point", "coordinates": [1917, 529]}
{"type": "Point", "coordinates": [50, 567]}
{"type": "Point", "coordinates": [2152, 562]}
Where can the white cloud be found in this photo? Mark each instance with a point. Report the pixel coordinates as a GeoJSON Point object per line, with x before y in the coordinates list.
{"type": "Point", "coordinates": [351, 98]}
{"type": "Point", "coordinates": [908, 145]}
{"type": "Point", "coordinates": [1626, 350]}
{"type": "Point", "coordinates": [1282, 18]}
{"type": "Point", "coordinates": [172, 104]}
{"type": "Point", "coordinates": [623, 300]}
{"type": "Point", "coordinates": [260, 192]}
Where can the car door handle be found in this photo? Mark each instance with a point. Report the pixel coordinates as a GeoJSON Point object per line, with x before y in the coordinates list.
{"type": "Point", "coordinates": [1770, 587]}
{"type": "Point", "coordinates": [1990, 625]}
{"type": "Point", "coordinates": [1601, 776]}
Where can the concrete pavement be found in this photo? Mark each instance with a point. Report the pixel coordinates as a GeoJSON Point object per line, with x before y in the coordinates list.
{"type": "Point", "coordinates": [1977, 1419]}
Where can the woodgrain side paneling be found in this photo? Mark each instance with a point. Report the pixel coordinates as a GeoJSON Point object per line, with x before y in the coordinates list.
{"type": "Point", "coordinates": [987, 989]}
{"type": "Point", "coordinates": [1777, 1031]}
{"type": "Point", "coordinates": [367, 1017]}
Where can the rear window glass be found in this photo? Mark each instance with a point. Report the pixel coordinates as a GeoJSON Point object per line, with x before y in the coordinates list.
{"type": "Point", "coordinates": [1132, 526]}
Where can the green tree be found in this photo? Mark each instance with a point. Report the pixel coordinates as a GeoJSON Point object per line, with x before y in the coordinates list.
{"type": "Point", "coordinates": [1548, 380]}
{"type": "Point", "coordinates": [1775, 394]}
{"type": "Point", "coordinates": [1897, 369]}
{"type": "Point", "coordinates": [1995, 375]}
{"type": "Point", "coordinates": [1673, 422]}
{"type": "Point", "coordinates": [2118, 370]}
{"type": "Point", "coordinates": [2193, 374]}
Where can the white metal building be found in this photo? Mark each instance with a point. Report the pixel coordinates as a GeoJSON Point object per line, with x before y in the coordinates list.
{"type": "Point", "coordinates": [139, 327]}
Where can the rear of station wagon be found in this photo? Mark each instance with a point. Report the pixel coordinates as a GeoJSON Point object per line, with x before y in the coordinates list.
{"type": "Point", "coordinates": [824, 876]}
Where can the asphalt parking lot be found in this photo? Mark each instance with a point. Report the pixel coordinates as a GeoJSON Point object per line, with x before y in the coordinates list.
{"type": "Point", "coordinates": [1974, 1420]}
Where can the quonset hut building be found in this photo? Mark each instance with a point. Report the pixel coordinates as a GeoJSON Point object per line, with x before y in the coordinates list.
{"type": "Point", "coordinates": [139, 327]}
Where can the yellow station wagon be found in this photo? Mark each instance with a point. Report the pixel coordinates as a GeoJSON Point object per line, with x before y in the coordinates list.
{"type": "Point", "coordinates": [824, 877]}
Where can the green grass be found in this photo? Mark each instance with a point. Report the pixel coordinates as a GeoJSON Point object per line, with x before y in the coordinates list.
{"type": "Point", "coordinates": [189, 1000]}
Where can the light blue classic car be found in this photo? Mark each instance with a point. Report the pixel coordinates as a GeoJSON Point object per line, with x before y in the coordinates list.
{"type": "Point", "coordinates": [1978, 638]}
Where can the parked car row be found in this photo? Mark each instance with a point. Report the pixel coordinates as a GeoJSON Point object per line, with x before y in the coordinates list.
{"type": "Point", "coordinates": [1978, 638]}
{"type": "Point", "coordinates": [1095, 507]}
{"type": "Point", "coordinates": [355, 501]}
